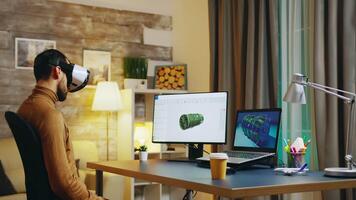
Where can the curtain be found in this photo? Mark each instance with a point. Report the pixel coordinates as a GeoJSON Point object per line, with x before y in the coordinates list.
{"type": "Point", "coordinates": [316, 38]}
{"type": "Point", "coordinates": [295, 56]}
{"type": "Point", "coordinates": [334, 66]}
{"type": "Point", "coordinates": [244, 54]}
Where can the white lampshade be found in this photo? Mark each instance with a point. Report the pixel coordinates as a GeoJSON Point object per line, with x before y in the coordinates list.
{"type": "Point", "coordinates": [295, 94]}
{"type": "Point", "coordinates": [141, 134]}
{"type": "Point", "coordinates": [107, 97]}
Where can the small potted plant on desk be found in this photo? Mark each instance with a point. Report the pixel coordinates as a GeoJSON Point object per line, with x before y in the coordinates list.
{"type": "Point", "coordinates": [142, 152]}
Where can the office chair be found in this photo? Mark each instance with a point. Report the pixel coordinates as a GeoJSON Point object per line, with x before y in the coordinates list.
{"type": "Point", "coordinates": [29, 145]}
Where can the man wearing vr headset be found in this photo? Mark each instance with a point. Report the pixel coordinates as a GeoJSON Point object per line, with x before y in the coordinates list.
{"type": "Point", "coordinates": [55, 76]}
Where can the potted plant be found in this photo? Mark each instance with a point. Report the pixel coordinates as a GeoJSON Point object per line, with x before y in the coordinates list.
{"type": "Point", "coordinates": [135, 72]}
{"type": "Point", "coordinates": [142, 152]}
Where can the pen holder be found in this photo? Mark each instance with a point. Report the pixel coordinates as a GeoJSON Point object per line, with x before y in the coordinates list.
{"type": "Point", "coordinates": [296, 160]}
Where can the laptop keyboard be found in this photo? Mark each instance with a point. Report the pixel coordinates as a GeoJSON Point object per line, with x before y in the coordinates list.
{"type": "Point", "coordinates": [246, 155]}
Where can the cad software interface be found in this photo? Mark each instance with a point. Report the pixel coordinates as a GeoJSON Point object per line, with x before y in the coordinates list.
{"type": "Point", "coordinates": [190, 118]}
{"type": "Point", "coordinates": [257, 129]}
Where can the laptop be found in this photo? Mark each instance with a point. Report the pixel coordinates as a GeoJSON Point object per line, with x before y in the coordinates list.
{"type": "Point", "coordinates": [255, 137]}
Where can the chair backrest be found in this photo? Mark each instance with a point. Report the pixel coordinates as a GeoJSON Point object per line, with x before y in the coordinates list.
{"type": "Point", "coordinates": [29, 145]}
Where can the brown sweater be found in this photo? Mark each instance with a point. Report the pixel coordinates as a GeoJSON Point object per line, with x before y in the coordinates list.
{"type": "Point", "coordinates": [40, 111]}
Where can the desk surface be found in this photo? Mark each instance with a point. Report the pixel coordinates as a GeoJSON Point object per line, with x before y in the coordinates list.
{"type": "Point", "coordinates": [244, 183]}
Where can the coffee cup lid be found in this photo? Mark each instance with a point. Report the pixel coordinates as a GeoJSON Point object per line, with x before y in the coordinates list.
{"type": "Point", "coordinates": [219, 156]}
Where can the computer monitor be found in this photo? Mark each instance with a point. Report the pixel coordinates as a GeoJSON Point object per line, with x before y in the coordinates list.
{"type": "Point", "coordinates": [190, 118]}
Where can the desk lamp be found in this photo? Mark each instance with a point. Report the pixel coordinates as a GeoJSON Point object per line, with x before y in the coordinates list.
{"type": "Point", "coordinates": [295, 94]}
{"type": "Point", "coordinates": [107, 98]}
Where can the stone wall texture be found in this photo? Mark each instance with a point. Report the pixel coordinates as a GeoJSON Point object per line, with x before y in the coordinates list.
{"type": "Point", "coordinates": [74, 28]}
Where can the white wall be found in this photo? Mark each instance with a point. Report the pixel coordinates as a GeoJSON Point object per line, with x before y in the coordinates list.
{"type": "Point", "coordinates": [190, 31]}
{"type": "Point", "coordinates": [191, 41]}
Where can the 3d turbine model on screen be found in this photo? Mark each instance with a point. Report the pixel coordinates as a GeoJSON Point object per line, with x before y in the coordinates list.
{"type": "Point", "coordinates": [256, 128]}
{"type": "Point", "coordinates": [190, 120]}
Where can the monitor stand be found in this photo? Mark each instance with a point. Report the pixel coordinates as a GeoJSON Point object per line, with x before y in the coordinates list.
{"type": "Point", "coordinates": [194, 152]}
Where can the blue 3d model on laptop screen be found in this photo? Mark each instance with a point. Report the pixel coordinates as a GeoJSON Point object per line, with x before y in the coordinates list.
{"type": "Point", "coordinates": [257, 129]}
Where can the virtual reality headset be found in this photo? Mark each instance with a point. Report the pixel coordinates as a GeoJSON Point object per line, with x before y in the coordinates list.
{"type": "Point", "coordinates": [77, 76]}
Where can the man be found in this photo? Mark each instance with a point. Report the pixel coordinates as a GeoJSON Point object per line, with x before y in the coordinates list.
{"type": "Point", "coordinates": [40, 111]}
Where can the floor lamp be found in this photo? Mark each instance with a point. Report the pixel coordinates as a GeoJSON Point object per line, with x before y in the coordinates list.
{"type": "Point", "coordinates": [296, 94]}
{"type": "Point", "coordinates": [107, 98]}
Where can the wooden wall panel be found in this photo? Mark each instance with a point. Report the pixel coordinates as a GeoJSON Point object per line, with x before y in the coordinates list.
{"type": "Point", "coordinates": [74, 27]}
{"type": "Point", "coordinates": [4, 61]}
{"type": "Point", "coordinates": [69, 27]}
{"type": "Point", "coordinates": [4, 39]}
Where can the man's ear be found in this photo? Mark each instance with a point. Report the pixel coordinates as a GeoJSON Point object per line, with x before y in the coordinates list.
{"type": "Point", "coordinates": [56, 72]}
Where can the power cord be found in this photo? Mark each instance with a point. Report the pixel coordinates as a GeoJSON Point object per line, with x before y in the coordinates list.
{"type": "Point", "coordinates": [353, 163]}
{"type": "Point", "coordinates": [348, 158]}
{"type": "Point", "coordinates": [186, 196]}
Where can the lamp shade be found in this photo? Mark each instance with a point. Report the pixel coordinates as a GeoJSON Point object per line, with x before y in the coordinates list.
{"type": "Point", "coordinates": [141, 134]}
{"type": "Point", "coordinates": [295, 94]}
{"type": "Point", "coordinates": [107, 97]}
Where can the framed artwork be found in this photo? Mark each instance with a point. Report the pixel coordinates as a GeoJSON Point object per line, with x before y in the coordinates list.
{"type": "Point", "coordinates": [99, 65]}
{"type": "Point", "coordinates": [171, 77]}
{"type": "Point", "coordinates": [27, 49]}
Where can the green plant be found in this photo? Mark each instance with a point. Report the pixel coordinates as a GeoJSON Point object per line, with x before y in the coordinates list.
{"type": "Point", "coordinates": [141, 148]}
{"type": "Point", "coordinates": [135, 67]}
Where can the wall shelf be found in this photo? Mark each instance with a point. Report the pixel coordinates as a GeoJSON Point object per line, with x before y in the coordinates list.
{"type": "Point", "coordinates": [138, 111]}
{"type": "Point", "coordinates": [140, 182]}
{"type": "Point", "coordinates": [158, 91]}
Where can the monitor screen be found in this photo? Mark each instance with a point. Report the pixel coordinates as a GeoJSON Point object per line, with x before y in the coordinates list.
{"type": "Point", "coordinates": [190, 118]}
{"type": "Point", "coordinates": [257, 128]}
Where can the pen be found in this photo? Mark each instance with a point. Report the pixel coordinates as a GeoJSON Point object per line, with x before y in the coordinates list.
{"type": "Point", "coordinates": [285, 141]}
{"type": "Point", "coordinates": [303, 167]}
{"type": "Point", "coordinates": [287, 149]}
{"type": "Point", "coordinates": [294, 150]}
{"type": "Point", "coordinates": [302, 150]}
{"type": "Point", "coordinates": [304, 138]}
{"type": "Point", "coordinates": [307, 143]}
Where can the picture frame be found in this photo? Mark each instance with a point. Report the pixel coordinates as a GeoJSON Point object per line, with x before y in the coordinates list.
{"type": "Point", "coordinates": [27, 49]}
{"type": "Point", "coordinates": [170, 77]}
{"type": "Point", "coordinates": [99, 65]}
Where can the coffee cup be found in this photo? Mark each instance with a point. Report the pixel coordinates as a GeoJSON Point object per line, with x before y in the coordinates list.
{"type": "Point", "coordinates": [218, 163]}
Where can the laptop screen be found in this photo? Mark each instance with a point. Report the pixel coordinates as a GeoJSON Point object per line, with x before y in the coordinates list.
{"type": "Point", "coordinates": [257, 130]}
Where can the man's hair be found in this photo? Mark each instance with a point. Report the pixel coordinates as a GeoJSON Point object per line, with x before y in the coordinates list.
{"type": "Point", "coordinates": [45, 61]}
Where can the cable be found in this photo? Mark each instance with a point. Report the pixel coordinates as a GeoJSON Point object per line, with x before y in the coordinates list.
{"type": "Point", "coordinates": [205, 151]}
{"type": "Point", "coordinates": [353, 163]}
{"type": "Point", "coordinates": [186, 196]}
{"type": "Point", "coordinates": [195, 194]}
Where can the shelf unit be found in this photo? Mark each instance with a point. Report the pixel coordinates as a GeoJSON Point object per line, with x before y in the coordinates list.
{"type": "Point", "coordinates": [133, 114]}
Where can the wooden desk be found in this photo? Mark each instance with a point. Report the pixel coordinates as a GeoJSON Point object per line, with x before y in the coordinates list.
{"type": "Point", "coordinates": [244, 183]}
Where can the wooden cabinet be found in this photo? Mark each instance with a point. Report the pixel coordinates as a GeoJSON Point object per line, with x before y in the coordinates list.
{"type": "Point", "coordinates": [134, 128]}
